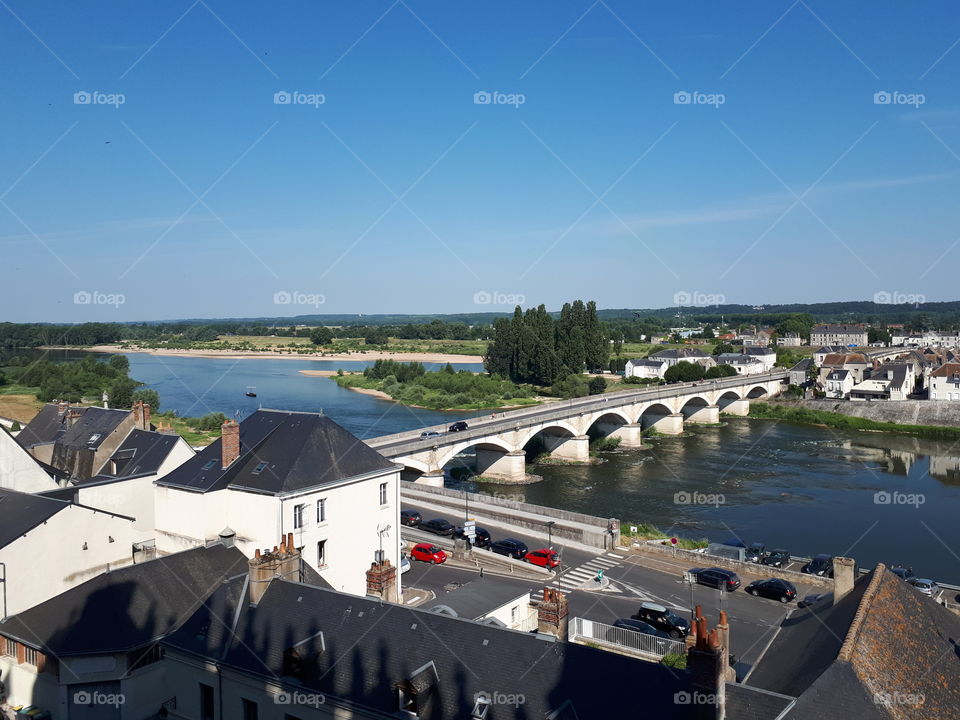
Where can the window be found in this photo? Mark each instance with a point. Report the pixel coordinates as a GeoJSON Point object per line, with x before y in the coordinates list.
{"type": "Point", "coordinates": [259, 468]}
{"type": "Point", "coordinates": [206, 702]}
{"type": "Point", "coordinates": [321, 553]}
{"type": "Point", "coordinates": [10, 647]}
{"type": "Point", "coordinates": [322, 510]}
{"type": "Point", "coordinates": [383, 493]}
{"type": "Point", "coordinates": [209, 464]}
{"type": "Point", "coordinates": [30, 656]}
{"type": "Point", "coordinates": [249, 709]}
{"type": "Point", "coordinates": [298, 516]}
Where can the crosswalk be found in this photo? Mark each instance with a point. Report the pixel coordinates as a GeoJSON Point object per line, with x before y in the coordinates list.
{"type": "Point", "coordinates": [572, 579]}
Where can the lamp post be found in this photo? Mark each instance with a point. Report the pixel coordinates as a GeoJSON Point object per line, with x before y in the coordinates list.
{"type": "Point", "coordinates": [550, 525]}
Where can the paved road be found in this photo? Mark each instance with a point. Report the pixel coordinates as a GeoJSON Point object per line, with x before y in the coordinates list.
{"type": "Point", "coordinates": [633, 579]}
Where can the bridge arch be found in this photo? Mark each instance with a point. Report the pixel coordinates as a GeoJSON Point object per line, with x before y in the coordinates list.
{"type": "Point", "coordinates": [652, 413]}
{"type": "Point", "coordinates": [492, 443]}
{"type": "Point", "coordinates": [607, 421]}
{"type": "Point", "coordinates": [728, 398]}
{"type": "Point", "coordinates": [555, 428]}
{"type": "Point", "coordinates": [757, 391]}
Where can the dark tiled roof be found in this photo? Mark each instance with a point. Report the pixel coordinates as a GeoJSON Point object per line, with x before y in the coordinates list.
{"type": "Point", "coordinates": [144, 451]}
{"type": "Point", "coordinates": [947, 370]}
{"type": "Point", "coordinates": [126, 608]}
{"type": "Point", "coordinates": [646, 362]}
{"type": "Point", "coordinates": [803, 365]}
{"type": "Point", "coordinates": [21, 512]}
{"type": "Point", "coordinates": [759, 351]}
{"type": "Point", "coordinates": [681, 353]}
{"type": "Point", "coordinates": [44, 428]}
{"type": "Point", "coordinates": [94, 422]}
{"type": "Point", "coordinates": [898, 370]}
{"type": "Point", "coordinates": [370, 646]}
{"type": "Point", "coordinates": [838, 329]}
{"type": "Point", "coordinates": [750, 703]}
{"type": "Point", "coordinates": [301, 450]}
{"type": "Point", "coordinates": [838, 375]}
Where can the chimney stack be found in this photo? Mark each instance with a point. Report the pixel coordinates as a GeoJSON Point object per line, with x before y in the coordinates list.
{"type": "Point", "coordinates": [382, 581]}
{"type": "Point", "coordinates": [145, 414]}
{"type": "Point", "coordinates": [844, 572]}
{"type": "Point", "coordinates": [229, 442]}
{"type": "Point", "coordinates": [708, 663]}
{"type": "Point", "coordinates": [552, 613]}
{"type": "Point", "coordinates": [283, 562]}
{"type": "Point", "coordinates": [62, 407]}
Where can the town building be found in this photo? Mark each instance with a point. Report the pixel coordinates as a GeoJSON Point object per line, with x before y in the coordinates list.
{"type": "Point", "coordinates": [856, 363]}
{"type": "Point", "coordinates": [741, 362]}
{"type": "Point", "coordinates": [692, 355]}
{"type": "Point", "coordinates": [821, 354]}
{"type": "Point", "coordinates": [945, 382]}
{"type": "Point", "coordinates": [890, 381]}
{"type": "Point", "coordinates": [645, 368]}
{"type": "Point", "coordinates": [847, 335]}
{"type": "Point", "coordinates": [279, 472]}
{"type": "Point", "coordinates": [838, 384]}
{"type": "Point", "coordinates": [789, 340]}
{"type": "Point", "coordinates": [799, 373]}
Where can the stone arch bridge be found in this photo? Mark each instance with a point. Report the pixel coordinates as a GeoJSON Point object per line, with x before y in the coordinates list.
{"type": "Point", "coordinates": [565, 427]}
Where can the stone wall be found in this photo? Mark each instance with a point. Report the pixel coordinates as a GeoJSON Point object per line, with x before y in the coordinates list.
{"type": "Point", "coordinates": [906, 412]}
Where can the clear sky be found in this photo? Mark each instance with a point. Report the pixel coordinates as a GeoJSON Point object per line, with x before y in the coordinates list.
{"type": "Point", "coordinates": [179, 184]}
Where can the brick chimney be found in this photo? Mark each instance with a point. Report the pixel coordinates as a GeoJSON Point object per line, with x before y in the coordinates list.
{"type": "Point", "coordinates": [382, 581]}
{"type": "Point", "coordinates": [62, 407]}
{"type": "Point", "coordinates": [229, 442]}
{"type": "Point", "coordinates": [844, 572]}
{"type": "Point", "coordinates": [552, 613]}
{"type": "Point", "coordinates": [707, 662]}
{"type": "Point", "coordinates": [145, 415]}
{"type": "Point", "coordinates": [282, 561]}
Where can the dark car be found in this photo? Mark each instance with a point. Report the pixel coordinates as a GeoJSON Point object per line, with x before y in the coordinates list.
{"type": "Point", "coordinates": [481, 540]}
{"type": "Point", "coordinates": [457, 426]}
{"type": "Point", "coordinates": [410, 518]}
{"type": "Point", "coordinates": [815, 599]}
{"type": "Point", "coordinates": [903, 573]}
{"type": "Point", "coordinates": [663, 619]}
{"type": "Point", "coordinates": [821, 565]}
{"type": "Point", "coordinates": [511, 547]}
{"type": "Point", "coordinates": [774, 588]}
{"type": "Point", "coordinates": [777, 558]}
{"type": "Point", "coordinates": [716, 577]}
{"type": "Point", "coordinates": [755, 553]}
{"type": "Point", "coordinates": [638, 626]}
{"type": "Point", "coordinates": [438, 526]}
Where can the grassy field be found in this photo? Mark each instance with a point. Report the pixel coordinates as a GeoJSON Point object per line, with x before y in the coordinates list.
{"type": "Point", "coordinates": [189, 433]}
{"type": "Point", "coordinates": [302, 345]}
{"type": "Point", "coordinates": [19, 403]}
{"type": "Point", "coordinates": [646, 531]}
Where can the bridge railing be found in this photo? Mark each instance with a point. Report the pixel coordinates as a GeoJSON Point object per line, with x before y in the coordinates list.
{"type": "Point", "coordinates": [558, 411]}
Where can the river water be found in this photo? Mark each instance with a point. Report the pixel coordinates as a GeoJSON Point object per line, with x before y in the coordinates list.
{"type": "Point", "coordinates": [807, 489]}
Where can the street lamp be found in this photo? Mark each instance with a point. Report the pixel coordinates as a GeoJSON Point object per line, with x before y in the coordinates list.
{"type": "Point", "coordinates": [550, 525]}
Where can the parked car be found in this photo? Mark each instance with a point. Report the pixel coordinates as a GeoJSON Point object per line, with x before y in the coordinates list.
{"type": "Point", "coordinates": [437, 526]}
{"type": "Point", "coordinates": [511, 547]}
{"type": "Point", "coordinates": [663, 619]}
{"type": "Point", "coordinates": [458, 426]}
{"type": "Point", "coordinates": [755, 553]}
{"type": "Point", "coordinates": [773, 588]}
{"type": "Point", "coordinates": [735, 542]}
{"type": "Point", "coordinates": [544, 557]}
{"type": "Point", "coordinates": [777, 558]}
{"type": "Point", "coordinates": [429, 434]}
{"type": "Point", "coordinates": [410, 518]}
{"type": "Point", "coordinates": [903, 573]}
{"type": "Point", "coordinates": [821, 565]}
{"type": "Point", "coordinates": [638, 626]}
{"type": "Point", "coordinates": [926, 587]}
{"type": "Point", "coordinates": [404, 563]}
{"type": "Point", "coordinates": [481, 540]}
{"type": "Point", "coordinates": [815, 599]}
{"type": "Point", "coordinates": [716, 577]}
{"type": "Point", "coordinates": [428, 552]}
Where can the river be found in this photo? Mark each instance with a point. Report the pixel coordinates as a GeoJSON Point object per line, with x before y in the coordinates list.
{"type": "Point", "coordinates": [807, 489]}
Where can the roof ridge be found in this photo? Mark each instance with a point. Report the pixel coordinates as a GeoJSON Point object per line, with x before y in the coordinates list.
{"type": "Point", "coordinates": [863, 610]}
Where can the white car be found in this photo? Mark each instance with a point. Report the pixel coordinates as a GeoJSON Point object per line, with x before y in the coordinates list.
{"type": "Point", "coordinates": [926, 586]}
{"type": "Point", "coordinates": [404, 563]}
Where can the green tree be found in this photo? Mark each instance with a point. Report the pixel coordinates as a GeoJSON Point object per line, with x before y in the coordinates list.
{"type": "Point", "coordinates": [147, 397]}
{"type": "Point", "coordinates": [684, 371]}
{"type": "Point", "coordinates": [120, 363]}
{"type": "Point", "coordinates": [321, 335]}
{"type": "Point", "coordinates": [596, 340]}
{"type": "Point", "coordinates": [597, 386]}
{"type": "Point", "coordinates": [121, 392]}
{"type": "Point", "coordinates": [721, 348]}
{"type": "Point", "coordinates": [720, 371]}
{"type": "Point", "coordinates": [878, 335]}
{"type": "Point", "coordinates": [618, 338]}
{"type": "Point", "coordinates": [376, 336]}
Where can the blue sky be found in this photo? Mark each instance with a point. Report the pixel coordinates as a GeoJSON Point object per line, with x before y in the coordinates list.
{"type": "Point", "coordinates": [781, 180]}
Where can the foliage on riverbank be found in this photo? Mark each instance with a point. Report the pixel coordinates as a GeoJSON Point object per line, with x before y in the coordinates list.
{"type": "Point", "coordinates": [839, 421]}
{"type": "Point", "coordinates": [195, 430]}
{"type": "Point", "coordinates": [447, 389]}
{"type": "Point", "coordinates": [86, 380]}
{"type": "Point", "coordinates": [645, 531]}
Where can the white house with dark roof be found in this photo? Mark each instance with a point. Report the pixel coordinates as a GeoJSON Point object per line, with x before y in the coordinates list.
{"type": "Point", "coordinates": [838, 384]}
{"type": "Point", "coordinates": [645, 368]}
{"type": "Point", "coordinates": [945, 382]}
{"type": "Point", "coordinates": [19, 470]}
{"type": "Point", "coordinates": [281, 472]}
{"type": "Point", "coordinates": [741, 362]}
{"type": "Point", "coordinates": [890, 381]}
{"type": "Point", "coordinates": [691, 355]}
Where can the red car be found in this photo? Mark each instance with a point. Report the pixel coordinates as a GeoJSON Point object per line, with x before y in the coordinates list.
{"type": "Point", "coordinates": [428, 552]}
{"type": "Point", "coordinates": [544, 557]}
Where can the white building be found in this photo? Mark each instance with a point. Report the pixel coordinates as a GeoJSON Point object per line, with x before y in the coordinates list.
{"type": "Point", "coordinates": [890, 381]}
{"type": "Point", "coordinates": [692, 355]}
{"type": "Point", "coordinates": [789, 340]}
{"type": "Point", "coordinates": [279, 472]}
{"type": "Point", "coordinates": [645, 368]}
{"type": "Point", "coordinates": [845, 335]}
{"type": "Point", "coordinates": [766, 355]}
{"type": "Point", "coordinates": [838, 384]}
{"type": "Point", "coordinates": [19, 470]}
{"type": "Point", "coordinates": [741, 362]}
{"type": "Point", "coordinates": [945, 382]}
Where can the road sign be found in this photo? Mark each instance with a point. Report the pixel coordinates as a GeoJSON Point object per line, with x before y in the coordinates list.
{"type": "Point", "coordinates": [470, 529]}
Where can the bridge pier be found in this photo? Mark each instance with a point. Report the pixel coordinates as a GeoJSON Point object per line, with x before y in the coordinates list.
{"type": "Point", "coordinates": [631, 436]}
{"type": "Point", "coordinates": [572, 449]}
{"type": "Point", "coordinates": [433, 478]}
{"type": "Point", "coordinates": [738, 407]}
{"type": "Point", "coordinates": [668, 424]}
{"type": "Point", "coordinates": [709, 415]}
{"type": "Point", "coordinates": [503, 467]}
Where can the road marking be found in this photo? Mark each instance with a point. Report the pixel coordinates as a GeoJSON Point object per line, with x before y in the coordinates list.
{"type": "Point", "coordinates": [619, 557]}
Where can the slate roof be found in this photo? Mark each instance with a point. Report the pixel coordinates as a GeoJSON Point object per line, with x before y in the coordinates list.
{"type": "Point", "coordinates": [143, 452]}
{"type": "Point", "coordinates": [367, 647]}
{"type": "Point", "coordinates": [680, 353]}
{"type": "Point", "coordinates": [127, 608]}
{"type": "Point", "coordinates": [838, 375]}
{"type": "Point", "coordinates": [899, 371]}
{"type": "Point", "coordinates": [753, 350]}
{"type": "Point", "coordinates": [838, 329]}
{"type": "Point", "coordinates": [21, 512]}
{"type": "Point", "coordinates": [48, 426]}
{"type": "Point", "coordinates": [301, 450]}
{"type": "Point", "coordinates": [802, 366]}
{"type": "Point", "coordinates": [45, 427]}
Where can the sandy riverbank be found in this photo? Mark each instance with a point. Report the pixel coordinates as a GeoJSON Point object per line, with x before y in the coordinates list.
{"type": "Point", "coordinates": [272, 354]}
